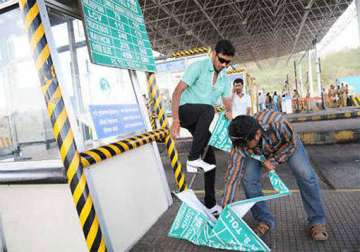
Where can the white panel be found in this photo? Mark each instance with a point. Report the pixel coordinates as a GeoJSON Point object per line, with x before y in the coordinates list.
{"type": "Point", "coordinates": [130, 195]}
{"type": "Point", "coordinates": [40, 218]}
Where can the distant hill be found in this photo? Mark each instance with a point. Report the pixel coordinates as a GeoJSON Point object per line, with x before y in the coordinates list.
{"type": "Point", "coordinates": [274, 71]}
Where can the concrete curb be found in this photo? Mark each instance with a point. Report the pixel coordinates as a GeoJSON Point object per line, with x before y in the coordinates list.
{"type": "Point", "coordinates": [330, 137]}
{"type": "Point", "coordinates": [335, 116]}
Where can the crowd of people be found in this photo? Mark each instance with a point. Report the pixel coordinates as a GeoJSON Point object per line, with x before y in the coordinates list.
{"type": "Point", "coordinates": [272, 102]}
{"type": "Point", "coordinates": [335, 97]}
{"type": "Point", "coordinates": [267, 134]}
{"type": "Point", "coordinates": [338, 96]}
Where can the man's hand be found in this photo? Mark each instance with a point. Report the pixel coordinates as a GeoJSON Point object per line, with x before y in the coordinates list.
{"type": "Point", "coordinates": [175, 129]}
{"type": "Point", "coordinates": [268, 166]}
{"type": "Point", "coordinates": [228, 115]}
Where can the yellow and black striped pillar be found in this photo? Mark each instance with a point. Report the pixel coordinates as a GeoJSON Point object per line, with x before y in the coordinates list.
{"type": "Point", "coordinates": [169, 142]}
{"type": "Point", "coordinates": [61, 126]}
{"type": "Point", "coordinates": [152, 116]}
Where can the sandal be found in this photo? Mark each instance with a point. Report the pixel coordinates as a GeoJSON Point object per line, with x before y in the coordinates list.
{"type": "Point", "coordinates": [318, 232]}
{"type": "Point", "coordinates": [261, 229]}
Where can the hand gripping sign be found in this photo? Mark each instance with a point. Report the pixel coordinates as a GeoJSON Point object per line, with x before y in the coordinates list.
{"type": "Point", "coordinates": [229, 231]}
{"type": "Point", "coordinates": [220, 136]}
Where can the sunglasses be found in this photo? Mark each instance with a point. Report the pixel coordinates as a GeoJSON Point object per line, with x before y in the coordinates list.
{"type": "Point", "coordinates": [243, 140]}
{"type": "Point", "coordinates": [223, 61]}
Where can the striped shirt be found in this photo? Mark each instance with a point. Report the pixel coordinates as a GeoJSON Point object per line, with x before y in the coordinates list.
{"type": "Point", "coordinates": [277, 144]}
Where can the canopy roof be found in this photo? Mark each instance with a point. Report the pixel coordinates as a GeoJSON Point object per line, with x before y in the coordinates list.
{"type": "Point", "coordinates": [259, 29]}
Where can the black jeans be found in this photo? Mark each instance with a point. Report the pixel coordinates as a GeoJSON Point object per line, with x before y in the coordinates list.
{"type": "Point", "coordinates": [197, 118]}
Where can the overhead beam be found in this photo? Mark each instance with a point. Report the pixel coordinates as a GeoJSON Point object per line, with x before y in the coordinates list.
{"type": "Point", "coordinates": [178, 21]}
{"type": "Point", "coordinates": [258, 29]}
{"type": "Point", "coordinates": [162, 35]}
{"type": "Point", "coordinates": [251, 50]}
{"type": "Point", "coordinates": [302, 24]}
{"type": "Point", "coordinates": [209, 19]}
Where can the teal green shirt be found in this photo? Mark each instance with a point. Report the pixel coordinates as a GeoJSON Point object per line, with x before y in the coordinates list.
{"type": "Point", "coordinates": [198, 78]}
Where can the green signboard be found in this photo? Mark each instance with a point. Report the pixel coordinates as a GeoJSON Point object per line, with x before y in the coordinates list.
{"type": "Point", "coordinates": [116, 34]}
{"type": "Point", "coordinates": [220, 136]}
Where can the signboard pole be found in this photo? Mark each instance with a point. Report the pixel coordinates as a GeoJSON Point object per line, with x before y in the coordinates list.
{"type": "Point", "coordinates": [169, 142]}
{"type": "Point", "coordinates": [61, 126]}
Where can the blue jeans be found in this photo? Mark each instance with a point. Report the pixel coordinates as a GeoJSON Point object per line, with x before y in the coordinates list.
{"type": "Point", "coordinates": [306, 179]}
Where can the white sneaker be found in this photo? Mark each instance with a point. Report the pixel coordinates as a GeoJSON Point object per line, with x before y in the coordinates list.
{"type": "Point", "coordinates": [191, 169]}
{"type": "Point", "coordinates": [215, 210]}
{"type": "Point", "coordinates": [192, 166]}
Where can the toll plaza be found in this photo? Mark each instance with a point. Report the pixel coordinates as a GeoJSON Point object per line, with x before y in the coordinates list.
{"type": "Point", "coordinates": [87, 161]}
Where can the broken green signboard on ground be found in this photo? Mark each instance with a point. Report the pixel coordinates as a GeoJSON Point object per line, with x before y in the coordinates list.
{"type": "Point", "coordinates": [229, 231]}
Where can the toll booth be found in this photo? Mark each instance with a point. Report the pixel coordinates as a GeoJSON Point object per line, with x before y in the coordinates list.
{"type": "Point", "coordinates": [94, 110]}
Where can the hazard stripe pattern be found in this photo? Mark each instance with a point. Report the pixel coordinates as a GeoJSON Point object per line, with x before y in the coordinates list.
{"type": "Point", "coordinates": [336, 116]}
{"type": "Point", "coordinates": [330, 137]}
{"type": "Point", "coordinates": [356, 101]}
{"type": "Point", "coordinates": [96, 155]}
{"type": "Point", "coordinates": [61, 126]}
{"type": "Point", "coordinates": [5, 142]}
{"type": "Point", "coordinates": [232, 71]}
{"type": "Point", "coordinates": [194, 51]}
{"type": "Point", "coordinates": [152, 115]}
{"type": "Point", "coordinates": [169, 143]}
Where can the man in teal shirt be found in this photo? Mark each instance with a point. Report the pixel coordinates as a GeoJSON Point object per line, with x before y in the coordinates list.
{"type": "Point", "coordinates": [193, 100]}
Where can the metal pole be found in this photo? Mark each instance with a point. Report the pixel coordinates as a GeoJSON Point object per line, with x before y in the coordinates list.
{"type": "Point", "coordinates": [287, 84]}
{"type": "Point", "coordinates": [295, 75]}
{"type": "Point", "coordinates": [61, 125]}
{"type": "Point", "coordinates": [357, 4]}
{"type": "Point", "coordinates": [318, 74]}
{"type": "Point", "coordinates": [301, 81]}
{"type": "Point", "coordinates": [76, 76]}
{"type": "Point", "coordinates": [169, 142]}
{"type": "Point", "coordinates": [310, 77]}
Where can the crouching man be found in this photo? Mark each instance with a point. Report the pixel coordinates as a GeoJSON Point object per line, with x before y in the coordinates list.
{"type": "Point", "coordinates": [271, 135]}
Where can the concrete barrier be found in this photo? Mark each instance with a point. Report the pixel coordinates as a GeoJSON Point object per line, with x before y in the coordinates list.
{"type": "Point", "coordinates": [334, 116]}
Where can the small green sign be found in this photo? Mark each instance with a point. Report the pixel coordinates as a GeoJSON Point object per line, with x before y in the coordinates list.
{"type": "Point", "coordinates": [116, 34]}
{"type": "Point", "coordinates": [220, 136]}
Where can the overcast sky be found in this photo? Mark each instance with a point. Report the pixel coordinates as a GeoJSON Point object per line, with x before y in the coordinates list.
{"type": "Point", "coordinates": [343, 34]}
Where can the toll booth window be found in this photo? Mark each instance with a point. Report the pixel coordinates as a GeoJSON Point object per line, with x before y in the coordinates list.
{"type": "Point", "coordinates": [25, 130]}
{"type": "Point", "coordinates": [102, 99]}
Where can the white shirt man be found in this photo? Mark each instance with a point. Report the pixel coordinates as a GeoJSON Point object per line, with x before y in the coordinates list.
{"type": "Point", "coordinates": [262, 100]}
{"type": "Point", "coordinates": [241, 103]}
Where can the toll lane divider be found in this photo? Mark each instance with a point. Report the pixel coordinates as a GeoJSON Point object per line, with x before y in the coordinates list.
{"type": "Point", "coordinates": [330, 137]}
{"type": "Point", "coordinates": [96, 155]}
{"type": "Point", "coordinates": [61, 125]}
{"type": "Point", "coordinates": [5, 142]}
{"type": "Point", "coordinates": [154, 94]}
{"type": "Point", "coordinates": [356, 101]}
{"type": "Point", "coordinates": [334, 116]}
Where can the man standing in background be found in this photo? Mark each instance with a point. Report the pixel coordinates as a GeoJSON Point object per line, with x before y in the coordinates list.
{"type": "Point", "coordinates": [241, 103]}
{"type": "Point", "coordinates": [193, 100]}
